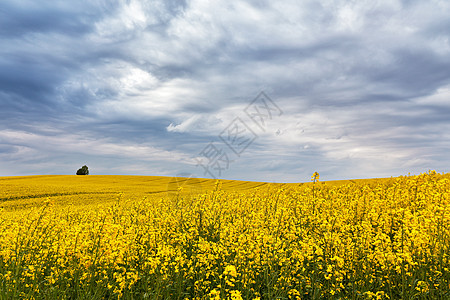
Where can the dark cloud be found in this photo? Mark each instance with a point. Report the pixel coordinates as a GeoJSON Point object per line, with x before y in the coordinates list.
{"type": "Point", "coordinates": [142, 87]}
{"type": "Point", "coordinates": [416, 73]}
{"type": "Point", "coordinates": [18, 18]}
{"type": "Point", "coordinates": [7, 149]}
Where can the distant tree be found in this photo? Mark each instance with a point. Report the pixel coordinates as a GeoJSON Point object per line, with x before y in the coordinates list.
{"type": "Point", "coordinates": [84, 170]}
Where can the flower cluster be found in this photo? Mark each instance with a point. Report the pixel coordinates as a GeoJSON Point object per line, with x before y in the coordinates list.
{"type": "Point", "coordinates": [366, 239]}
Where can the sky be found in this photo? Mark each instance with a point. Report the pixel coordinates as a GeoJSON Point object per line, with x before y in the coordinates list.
{"type": "Point", "coordinates": [250, 90]}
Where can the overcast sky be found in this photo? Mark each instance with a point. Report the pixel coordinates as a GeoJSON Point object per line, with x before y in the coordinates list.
{"type": "Point", "coordinates": [351, 89]}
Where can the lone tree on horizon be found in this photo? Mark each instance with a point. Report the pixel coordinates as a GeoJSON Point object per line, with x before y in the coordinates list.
{"type": "Point", "coordinates": [84, 170]}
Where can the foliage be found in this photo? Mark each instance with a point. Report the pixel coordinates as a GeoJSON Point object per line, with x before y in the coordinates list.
{"type": "Point", "coordinates": [373, 239]}
{"type": "Point", "coordinates": [84, 170]}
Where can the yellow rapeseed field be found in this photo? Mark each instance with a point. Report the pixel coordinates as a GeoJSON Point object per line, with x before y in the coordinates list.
{"type": "Point", "coordinates": [137, 237]}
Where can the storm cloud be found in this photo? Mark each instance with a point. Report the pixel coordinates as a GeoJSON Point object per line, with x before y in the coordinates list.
{"type": "Point", "coordinates": [147, 87]}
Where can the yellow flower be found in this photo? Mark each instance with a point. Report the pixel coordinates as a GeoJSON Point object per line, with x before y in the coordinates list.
{"type": "Point", "coordinates": [235, 295]}
{"type": "Point", "coordinates": [230, 270]}
{"type": "Point", "coordinates": [214, 295]}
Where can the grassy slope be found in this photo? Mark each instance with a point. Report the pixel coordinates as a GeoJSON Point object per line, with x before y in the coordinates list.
{"type": "Point", "coordinates": [28, 191]}
{"type": "Point", "coordinates": [40, 186]}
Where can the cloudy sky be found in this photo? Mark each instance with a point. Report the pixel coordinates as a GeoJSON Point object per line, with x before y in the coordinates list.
{"type": "Point", "coordinates": [351, 89]}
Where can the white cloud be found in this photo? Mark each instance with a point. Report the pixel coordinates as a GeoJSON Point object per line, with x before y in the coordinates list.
{"type": "Point", "coordinates": [441, 98]}
{"type": "Point", "coordinates": [64, 143]}
{"type": "Point", "coordinates": [363, 85]}
{"type": "Point", "coordinates": [184, 126]}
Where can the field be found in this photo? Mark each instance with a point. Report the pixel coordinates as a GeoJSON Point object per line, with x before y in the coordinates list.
{"type": "Point", "coordinates": [136, 237]}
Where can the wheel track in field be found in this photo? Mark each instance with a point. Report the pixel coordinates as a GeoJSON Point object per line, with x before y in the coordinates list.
{"type": "Point", "coordinates": [36, 196]}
